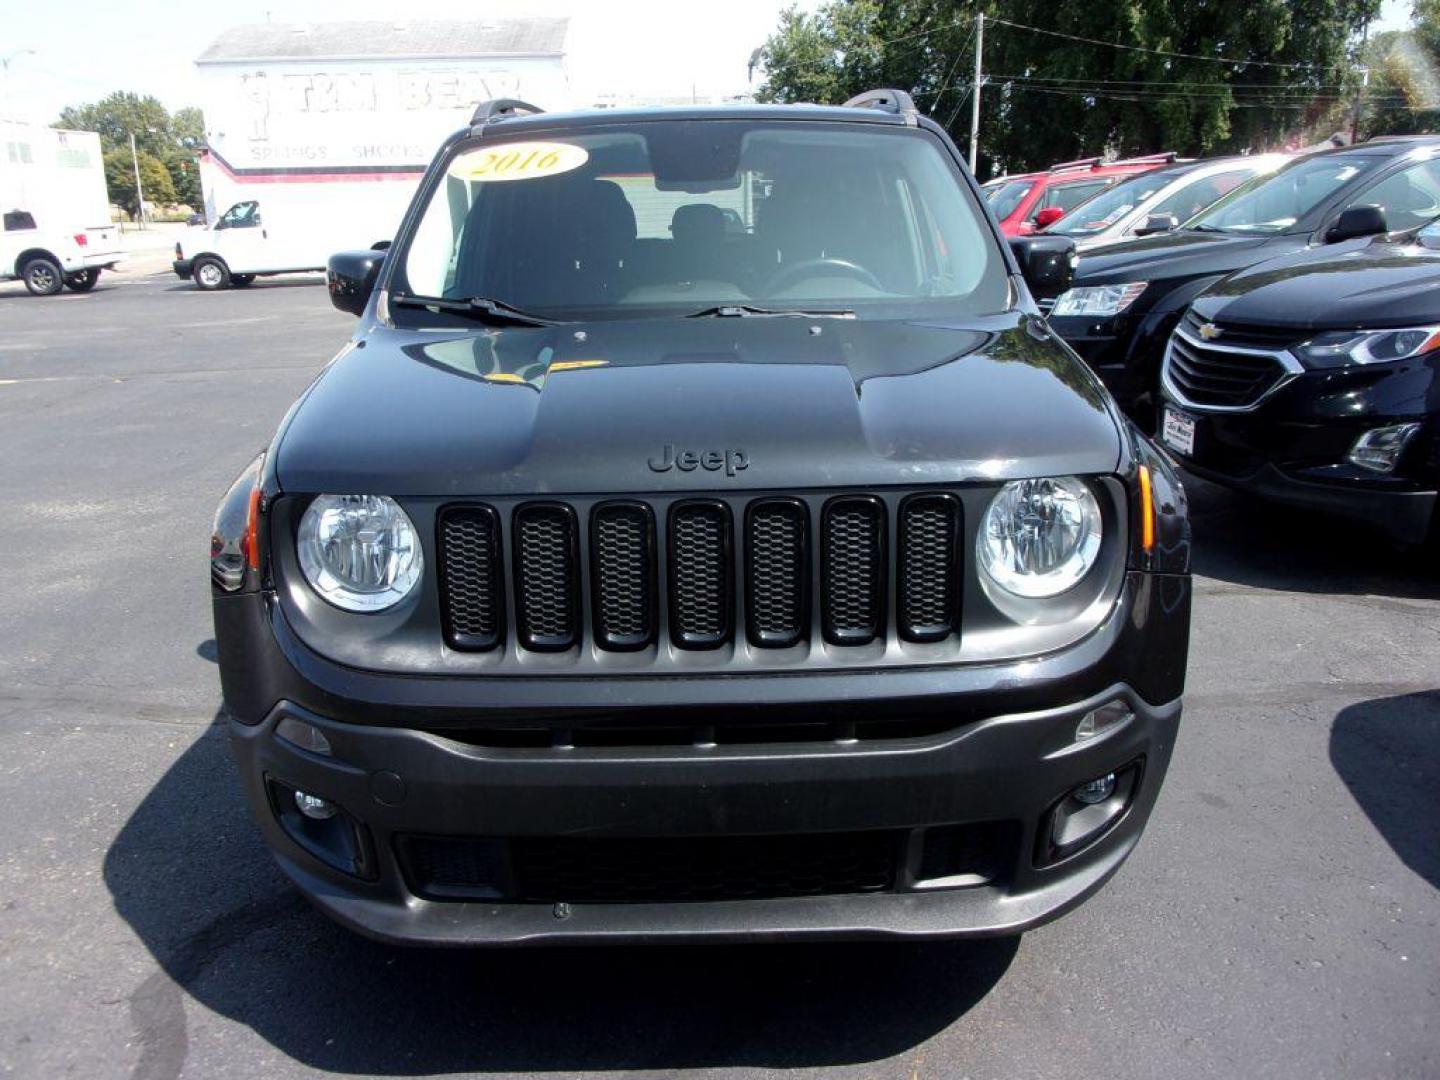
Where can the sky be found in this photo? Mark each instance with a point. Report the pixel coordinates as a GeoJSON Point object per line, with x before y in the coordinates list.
{"type": "Point", "coordinates": [83, 49]}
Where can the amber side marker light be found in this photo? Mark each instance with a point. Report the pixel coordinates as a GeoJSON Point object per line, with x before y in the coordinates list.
{"type": "Point", "coordinates": [251, 541]}
{"type": "Point", "coordinates": [1147, 511]}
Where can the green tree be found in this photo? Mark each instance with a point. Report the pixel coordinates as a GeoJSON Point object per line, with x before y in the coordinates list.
{"type": "Point", "coordinates": [1124, 77]}
{"type": "Point", "coordinates": [120, 115]}
{"type": "Point", "coordinates": [120, 179]}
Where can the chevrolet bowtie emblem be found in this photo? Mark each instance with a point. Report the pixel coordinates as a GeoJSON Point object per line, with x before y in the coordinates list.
{"type": "Point", "coordinates": [1209, 331]}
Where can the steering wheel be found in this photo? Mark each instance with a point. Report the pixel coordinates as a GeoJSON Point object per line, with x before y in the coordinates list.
{"type": "Point", "coordinates": [827, 267]}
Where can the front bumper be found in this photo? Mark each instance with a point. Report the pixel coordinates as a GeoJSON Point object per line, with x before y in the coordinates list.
{"type": "Point", "coordinates": [1292, 450]}
{"type": "Point", "coordinates": [406, 763]}
{"type": "Point", "coordinates": [181, 268]}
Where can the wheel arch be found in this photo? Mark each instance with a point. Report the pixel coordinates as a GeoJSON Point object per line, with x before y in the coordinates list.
{"type": "Point", "coordinates": [37, 252]}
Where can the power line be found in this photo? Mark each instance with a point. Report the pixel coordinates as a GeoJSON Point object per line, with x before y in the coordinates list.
{"type": "Point", "coordinates": [1157, 96]}
{"type": "Point", "coordinates": [1155, 52]}
{"type": "Point", "coordinates": [1168, 82]}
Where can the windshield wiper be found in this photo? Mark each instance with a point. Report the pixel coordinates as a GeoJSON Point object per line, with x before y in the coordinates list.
{"type": "Point", "coordinates": [750, 311]}
{"type": "Point", "coordinates": [479, 307]}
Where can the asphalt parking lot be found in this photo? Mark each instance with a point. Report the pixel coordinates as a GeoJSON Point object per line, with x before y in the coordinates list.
{"type": "Point", "coordinates": [1280, 918]}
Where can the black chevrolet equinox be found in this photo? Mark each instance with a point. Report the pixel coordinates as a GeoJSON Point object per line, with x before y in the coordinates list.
{"type": "Point", "coordinates": [702, 536]}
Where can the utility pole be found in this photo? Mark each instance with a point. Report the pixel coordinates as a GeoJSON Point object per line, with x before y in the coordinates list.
{"type": "Point", "coordinates": [1364, 83]}
{"type": "Point", "coordinates": [975, 90]}
{"type": "Point", "coordinates": [139, 190]}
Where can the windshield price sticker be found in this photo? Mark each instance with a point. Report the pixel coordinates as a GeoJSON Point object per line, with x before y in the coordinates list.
{"type": "Point", "coordinates": [519, 161]}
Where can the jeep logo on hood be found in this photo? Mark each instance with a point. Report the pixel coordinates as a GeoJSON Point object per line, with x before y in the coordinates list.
{"type": "Point", "coordinates": [731, 460]}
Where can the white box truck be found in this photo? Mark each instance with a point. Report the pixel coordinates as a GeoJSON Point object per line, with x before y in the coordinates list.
{"type": "Point", "coordinates": [55, 228]}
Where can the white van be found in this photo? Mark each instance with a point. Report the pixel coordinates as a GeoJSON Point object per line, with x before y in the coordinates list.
{"type": "Point", "coordinates": [288, 234]}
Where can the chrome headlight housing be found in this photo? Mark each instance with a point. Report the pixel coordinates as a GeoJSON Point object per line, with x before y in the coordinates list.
{"type": "Point", "coordinates": [1100, 301]}
{"type": "Point", "coordinates": [1040, 537]}
{"type": "Point", "coordinates": [359, 552]}
{"type": "Point", "coordinates": [1340, 348]}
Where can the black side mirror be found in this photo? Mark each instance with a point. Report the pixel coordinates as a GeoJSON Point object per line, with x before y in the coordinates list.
{"type": "Point", "coordinates": [1158, 223]}
{"type": "Point", "coordinates": [1046, 262]}
{"type": "Point", "coordinates": [1357, 221]}
{"type": "Point", "coordinates": [350, 276]}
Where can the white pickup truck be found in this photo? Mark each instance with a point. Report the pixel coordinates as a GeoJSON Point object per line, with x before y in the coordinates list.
{"type": "Point", "coordinates": [48, 260]}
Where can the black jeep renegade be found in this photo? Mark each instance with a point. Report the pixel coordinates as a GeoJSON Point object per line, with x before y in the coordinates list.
{"type": "Point", "coordinates": [703, 535]}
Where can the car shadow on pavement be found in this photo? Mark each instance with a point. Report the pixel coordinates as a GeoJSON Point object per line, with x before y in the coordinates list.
{"type": "Point", "coordinates": [189, 874]}
{"type": "Point", "coordinates": [1387, 751]}
{"type": "Point", "coordinates": [1241, 539]}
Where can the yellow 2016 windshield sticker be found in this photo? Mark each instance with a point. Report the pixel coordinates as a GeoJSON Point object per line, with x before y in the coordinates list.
{"type": "Point", "coordinates": [518, 161]}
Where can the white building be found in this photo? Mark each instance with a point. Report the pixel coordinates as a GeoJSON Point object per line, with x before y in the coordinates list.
{"type": "Point", "coordinates": [361, 102]}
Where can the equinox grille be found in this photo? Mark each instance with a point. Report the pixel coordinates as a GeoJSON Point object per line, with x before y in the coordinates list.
{"type": "Point", "coordinates": [1220, 378]}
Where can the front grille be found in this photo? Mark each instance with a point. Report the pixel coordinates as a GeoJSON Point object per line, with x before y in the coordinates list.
{"type": "Point", "coordinates": [687, 869]}
{"type": "Point", "coordinates": [777, 571]}
{"type": "Point", "coordinates": [1242, 335]}
{"type": "Point", "coordinates": [929, 574]}
{"type": "Point", "coordinates": [472, 597]}
{"type": "Point", "coordinates": [853, 570]}
{"type": "Point", "coordinates": [1220, 378]}
{"type": "Point", "coordinates": [547, 577]}
{"type": "Point", "coordinates": [696, 574]}
{"type": "Point", "coordinates": [622, 572]}
{"type": "Point", "coordinates": [700, 561]}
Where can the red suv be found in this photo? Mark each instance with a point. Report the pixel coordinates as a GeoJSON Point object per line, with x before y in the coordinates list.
{"type": "Point", "coordinates": [1031, 201]}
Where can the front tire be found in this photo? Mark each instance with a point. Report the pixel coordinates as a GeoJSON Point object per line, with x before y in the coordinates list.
{"type": "Point", "coordinates": [210, 273]}
{"type": "Point", "coordinates": [83, 280]}
{"type": "Point", "coordinates": [42, 276]}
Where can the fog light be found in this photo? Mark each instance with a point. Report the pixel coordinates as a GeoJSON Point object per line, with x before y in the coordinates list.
{"type": "Point", "coordinates": [1379, 449]}
{"type": "Point", "coordinates": [318, 809]}
{"type": "Point", "coordinates": [1089, 793]}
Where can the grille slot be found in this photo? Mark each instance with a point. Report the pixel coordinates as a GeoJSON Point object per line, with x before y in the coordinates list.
{"type": "Point", "coordinates": [622, 575]}
{"type": "Point", "coordinates": [471, 590]}
{"type": "Point", "coordinates": [547, 565]}
{"type": "Point", "coordinates": [701, 604]}
{"type": "Point", "coordinates": [1216, 377]}
{"type": "Point", "coordinates": [853, 570]}
{"type": "Point", "coordinates": [928, 573]}
{"type": "Point", "coordinates": [777, 572]}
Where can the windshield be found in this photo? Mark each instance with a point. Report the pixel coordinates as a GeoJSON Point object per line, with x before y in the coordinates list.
{"type": "Point", "coordinates": [669, 218]}
{"type": "Point", "coordinates": [1272, 203]}
{"type": "Point", "coordinates": [1004, 198]}
{"type": "Point", "coordinates": [1110, 205]}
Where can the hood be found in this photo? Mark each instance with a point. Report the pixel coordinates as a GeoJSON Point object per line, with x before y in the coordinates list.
{"type": "Point", "coordinates": [1363, 283]}
{"type": "Point", "coordinates": [1177, 255]}
{"type": "Point", "coordinates": [671, 405]}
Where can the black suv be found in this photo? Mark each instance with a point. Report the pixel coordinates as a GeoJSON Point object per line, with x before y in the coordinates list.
{"type": "Point", "coordinates": [1314, 380]}
{"type": "Point", "coordinates": [702, 535]}
{"type": "Point", "coordinates": [1126, 298]}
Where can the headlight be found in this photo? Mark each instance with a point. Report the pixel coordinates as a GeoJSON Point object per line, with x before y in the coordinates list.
{"type": "Point", "coordinates": [1098, 300]}
{"type": "Point", "coordinates": [1040, 537]}
{"type": "Point", "coordinates": [1340, 348]}
{"type": "Point", "coordinates": [360, 552]}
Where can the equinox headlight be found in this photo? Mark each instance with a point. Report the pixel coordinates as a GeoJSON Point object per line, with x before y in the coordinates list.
{"type": "Point", "coordinates": [1040, 537]}
{"type": "Point", "coordinates": [1339, 348]}
{"type": "Point", "coordinates": [1098, 300]}
{"type": "Point", "coordinates": [360, 552]}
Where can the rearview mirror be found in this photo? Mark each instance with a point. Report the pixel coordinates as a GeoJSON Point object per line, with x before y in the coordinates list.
{"type": "Point", "coordinates": [1158, 223]}
{"type": "Point", "coordinates": [350, 277]}
{"type": "Point", "coordinates": [1046, 262]}
{"type": "Point", "coordinates": [1357, 221]}
{"type": "Point", "coordinates": [1048, 216]}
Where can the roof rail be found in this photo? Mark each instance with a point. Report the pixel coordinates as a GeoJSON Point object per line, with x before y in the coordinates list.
{"type": "Point", "coordinates": [1082, 163]}
{"type": "Point", "coordinates": [1166, 157]}
{"type": "Point", "coordinates": [500, 109]}
{"type": "Point", "coordinates": [895, 101]}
